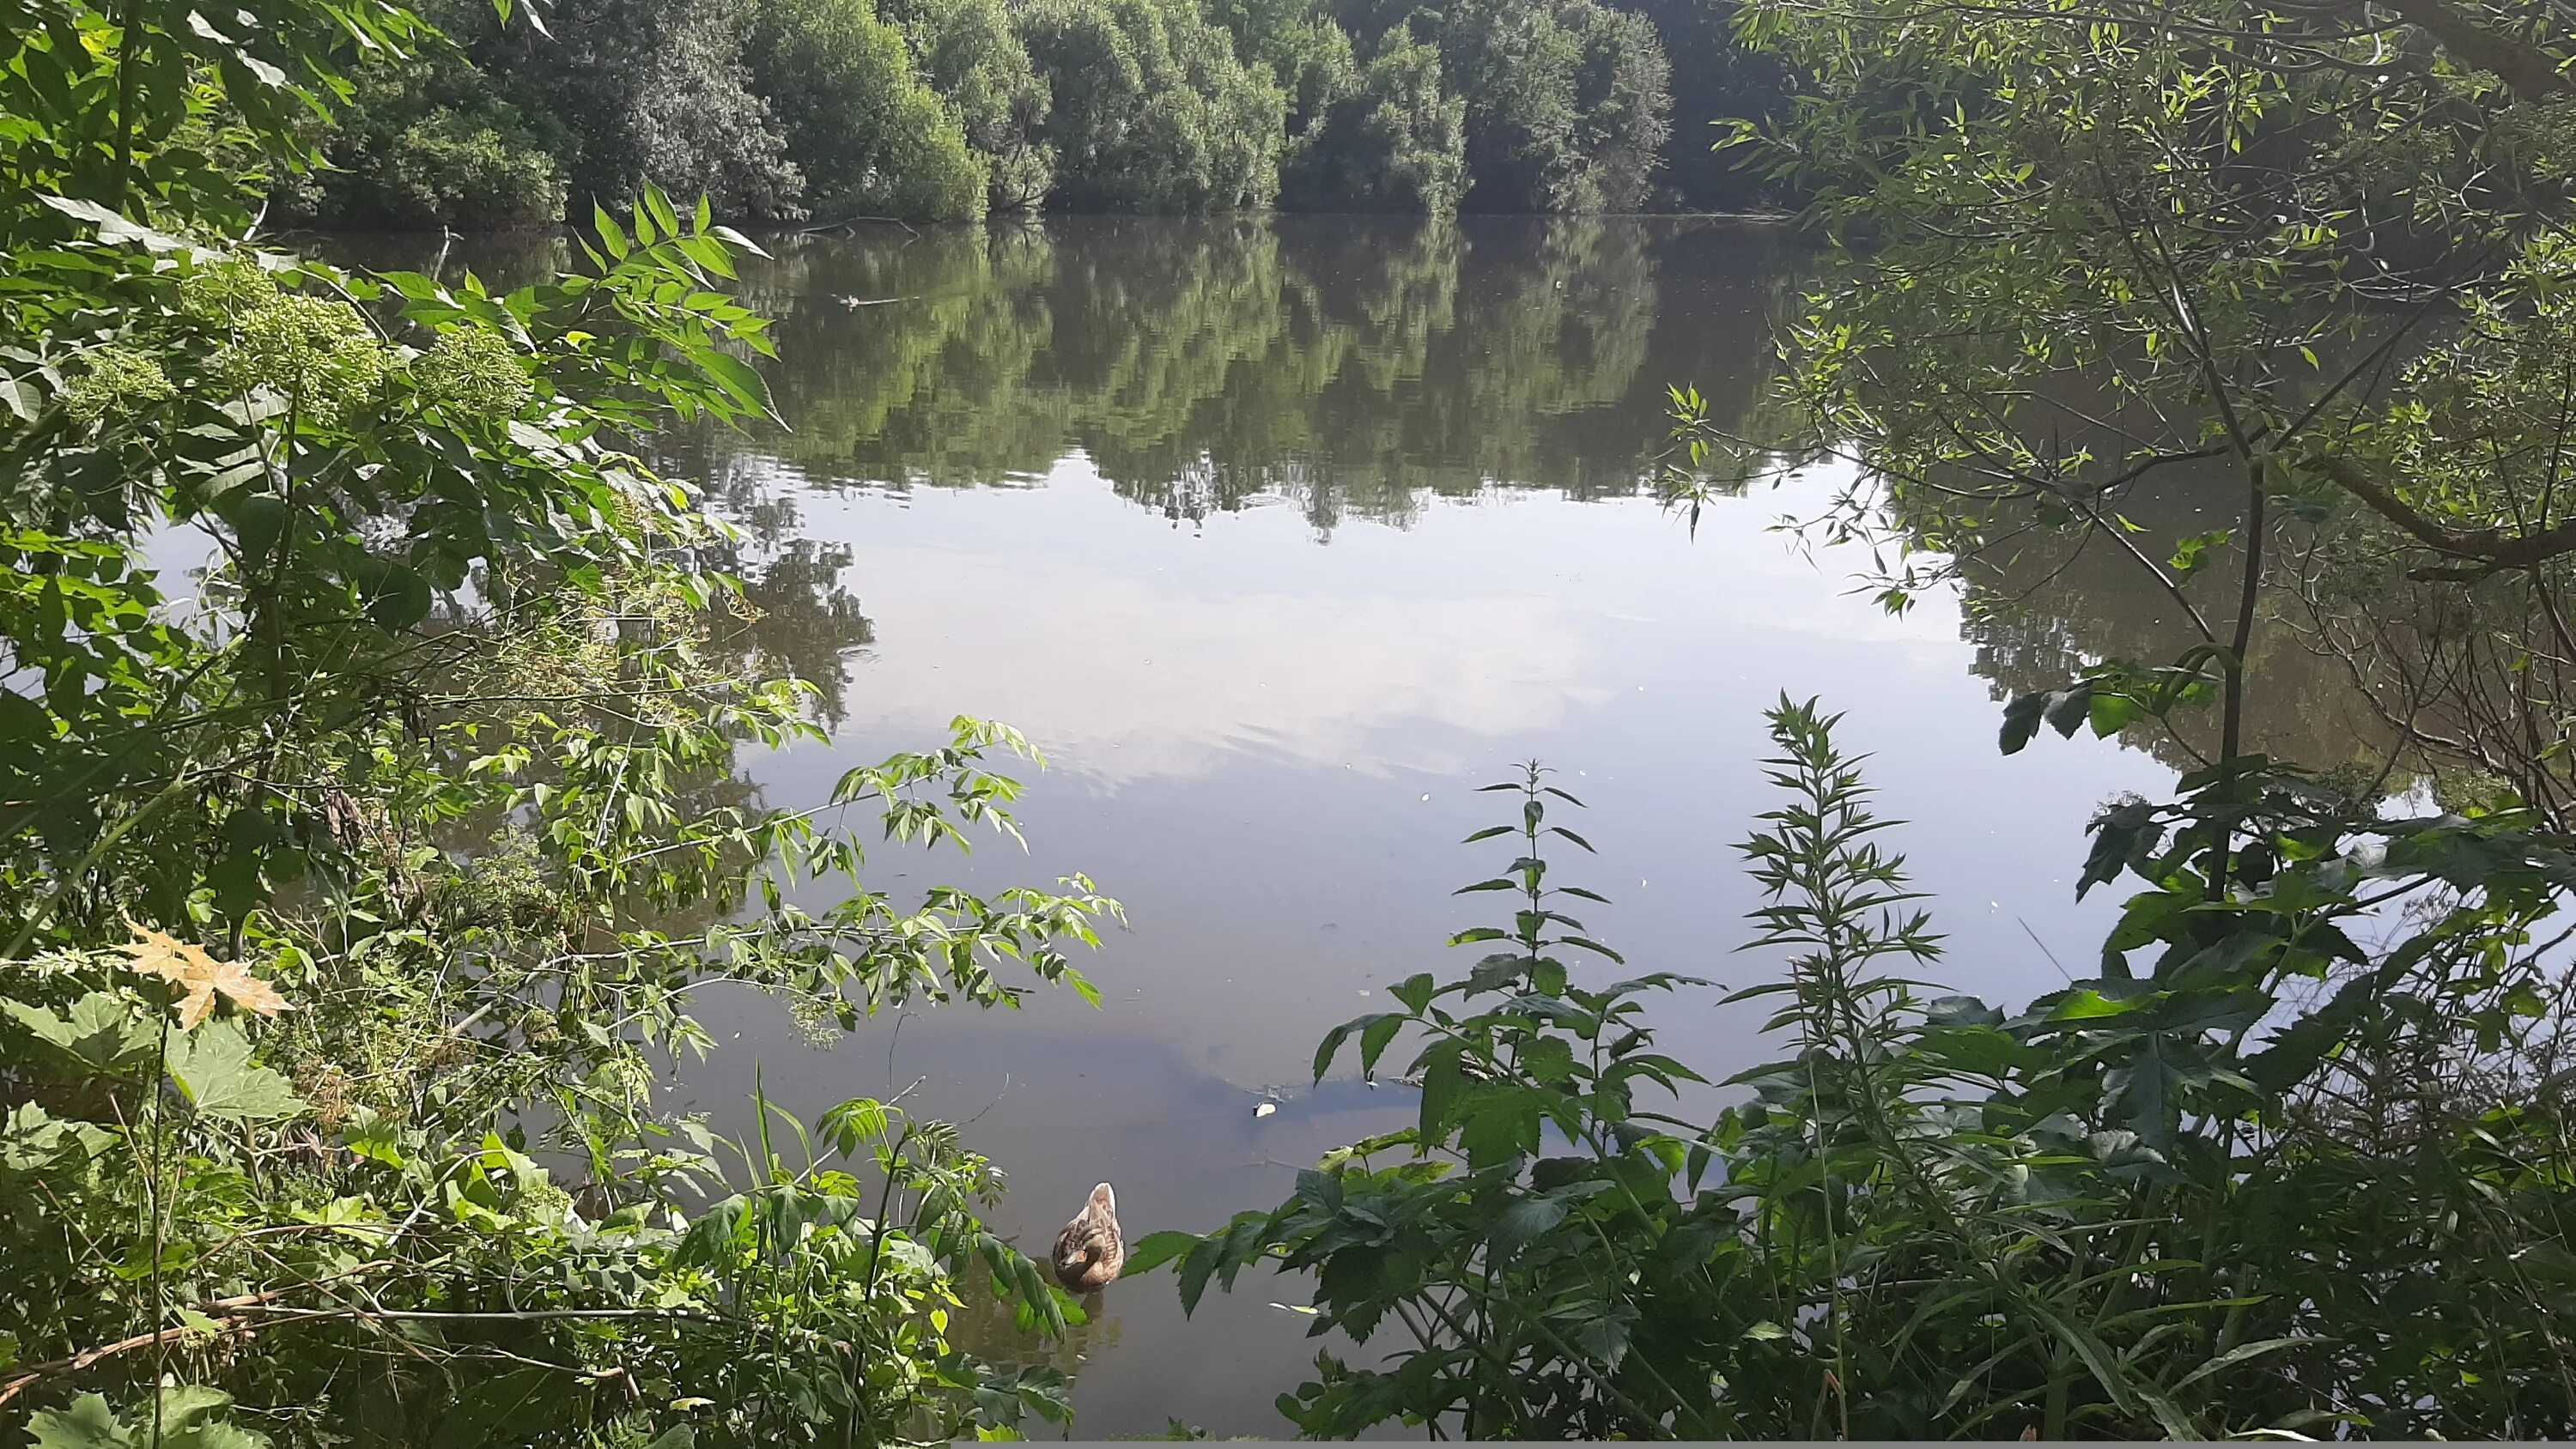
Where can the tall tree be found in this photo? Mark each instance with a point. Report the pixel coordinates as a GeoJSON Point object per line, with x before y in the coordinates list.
{"type": "Point", "coordinates": [869, 137]}
{"type": "Point", "coordinates": [1396, 142]}
{"type": "Point", "coordinates": [1567, 106]}
{"type": "Point", "coordinates": [2075, 254]}
{"type": "Point", "coordinates": [653, 91]}
{"type": "Point", "coordinates": [1716, 79]}
{"type": "Point", "coordinates": [968, 52]}
{"type": "Point", "coordinates": [1151, 109]}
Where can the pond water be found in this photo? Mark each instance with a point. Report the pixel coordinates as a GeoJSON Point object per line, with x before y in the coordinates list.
{"type": "Point", "coordinates": [1279, 538]}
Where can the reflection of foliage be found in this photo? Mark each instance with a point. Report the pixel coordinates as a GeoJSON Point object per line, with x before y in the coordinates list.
{"type": "Point", "coordinates": [802, 623]}
{"type": "Point", "coordinates": [2051, 607]}
{"type": "Point", "coordinates": [2223, 239]}
{"type": "Point", "coordinates": [1202, 364]}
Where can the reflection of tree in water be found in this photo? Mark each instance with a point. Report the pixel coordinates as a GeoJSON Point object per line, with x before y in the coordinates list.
{"type": "Point", "coordinates": [1348, 366]}
{"type": "Point", "coordinates": [504, 260]}
{"type": "Point", "coordinates": [804, 623]}
{"type": "Point", "coordinates": [907, 358]}
{"type": "Point", "coordinates": [2042, 612]}
{"type": "Point", "coordinates": [986, 1327]}
{"type": "Point", "coordinates": [801, 620]}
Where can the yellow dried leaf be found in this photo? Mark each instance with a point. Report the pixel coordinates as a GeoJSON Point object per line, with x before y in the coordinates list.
{"type": "Point", "coordinates": [200, 976]}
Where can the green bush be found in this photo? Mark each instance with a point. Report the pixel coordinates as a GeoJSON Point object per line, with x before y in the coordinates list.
{"type": "Point", "coordinates": [968, 53]}
{"type": "Point", "coordinates": [2255, 1179]}
{"type": "Point", "coordinates": [347, 929]}
{"type": "Point", "coordinates": [1150, 109]}
{"type": "Point", "coordinates": [869, 137]}
{"type": "Point", "coordinates": [428, 142]}
{"type": "Point", "coordinates": [649, 92]}
{"type": "Point", "coordinates": [1395, 143]}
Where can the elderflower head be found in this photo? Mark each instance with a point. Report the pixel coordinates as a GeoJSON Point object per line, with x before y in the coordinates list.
{"type": "Point", "coordinates": [118, 380]}
{"type": "Point", "coordinates": [313, 349]}
{"type": "Point", "coordinates": [224, 290]}
{"type": "Point", "coordinates": [473, 370]}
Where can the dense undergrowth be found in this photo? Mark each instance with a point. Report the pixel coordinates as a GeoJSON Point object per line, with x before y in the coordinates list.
{"type": "Point", "coordinates": [354, 903]}
{"type": "Point", "coordinates": [2256, 1177]}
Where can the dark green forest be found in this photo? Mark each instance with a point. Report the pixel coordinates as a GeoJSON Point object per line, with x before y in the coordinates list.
{"type": "Point", "coordinates": [824, 111]}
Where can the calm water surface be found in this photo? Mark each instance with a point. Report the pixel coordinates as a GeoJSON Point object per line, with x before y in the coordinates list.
{"type": "Point", "coordinates": [1279, 539]}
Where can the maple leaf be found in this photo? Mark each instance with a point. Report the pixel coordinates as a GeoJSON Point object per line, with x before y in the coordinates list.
{"type": "Point", "coordinates": [199, 976]}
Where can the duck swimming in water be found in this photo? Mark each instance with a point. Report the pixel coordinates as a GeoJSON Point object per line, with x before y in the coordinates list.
{"type": "Point", "coordinates": [1089, 1252]}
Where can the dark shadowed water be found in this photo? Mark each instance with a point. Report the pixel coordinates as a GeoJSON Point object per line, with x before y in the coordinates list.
{"type": "Point", "coordinates": [1279, 539]}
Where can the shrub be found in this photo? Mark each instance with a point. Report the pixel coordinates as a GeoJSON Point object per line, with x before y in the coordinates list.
{"type": "Point", "coordinates": [1150, 109]}
{"type": "Point", "coordinates": [1395, 143]}
{"type": "Point", "coordinates": [2192, 1197]}
{"type": "Point", "coordinates": [868, 135]}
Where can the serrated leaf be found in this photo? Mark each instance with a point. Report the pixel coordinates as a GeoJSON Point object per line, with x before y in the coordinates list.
{"type": "Point", "coordinates": [87, 1424]}
{"type": "Point", "coordinates": [101, 1031]}
{"type": "Point", "coordinates": [1154, 1250]}
{"type": "Point", "coordinates": [199, 976]}
{"type": "Point", "coordinates": [1526, 1220]}
{"type": "Point", "coordinates": [213, 1068]}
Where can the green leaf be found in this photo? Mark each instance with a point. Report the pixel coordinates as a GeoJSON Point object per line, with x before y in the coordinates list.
{"type": "Point", "coordinates": [611, 235]}
{"type": "Point", "coordinates": [394, 596]}
{"type": "Point", "coordinates": [1414, 991]}
{"type": "Point", "coordinates": [375, 1138]}
{"type": "Point", "coordinates": [87, 1424]}
{"type": "Point", "coordinates": [1197, 1264]}
{"type": "Point", "coordinates": [2070, 709]}
{"type": "Point", "coordinates": [1330, 1047]}
{"type": "Point", "coordinates": [213, 1068]}
{"type": "Point", "coordinates": [1374, 1037]}
{"type": "Point", "coordinates": [2021, 721]}
{"type": "Point", "coordinates": [258, 520]}
{"type": "Point", "coordinates": [2188, 555]}
{"type": "Point", "coordinates": [104, 1034]}
{"type": "Point", "coordinates": [1604, 1337]}
{"type": "Point", "coordinates": [1154, 1250]}
{"type": "Point", "coordinates": [736, 240]}
{"type": "Point", "coordinates": [1442, 1082]}
{"type": "Point", "coordinates": [1527, 1219]}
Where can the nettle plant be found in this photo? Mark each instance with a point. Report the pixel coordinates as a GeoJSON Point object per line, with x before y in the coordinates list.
{"type": "Point", "coordinates": [2255, 1177]}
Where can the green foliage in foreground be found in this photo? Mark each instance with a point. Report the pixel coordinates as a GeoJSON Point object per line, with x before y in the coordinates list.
{"type": "Point", "coordinates": [2256, 1177]}
{"type": "Point", "coordinates": [352, 905]}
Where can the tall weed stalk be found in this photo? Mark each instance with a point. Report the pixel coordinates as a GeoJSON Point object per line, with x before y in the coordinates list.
{"type": "Point", "coordinates": [2220, 1188]}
